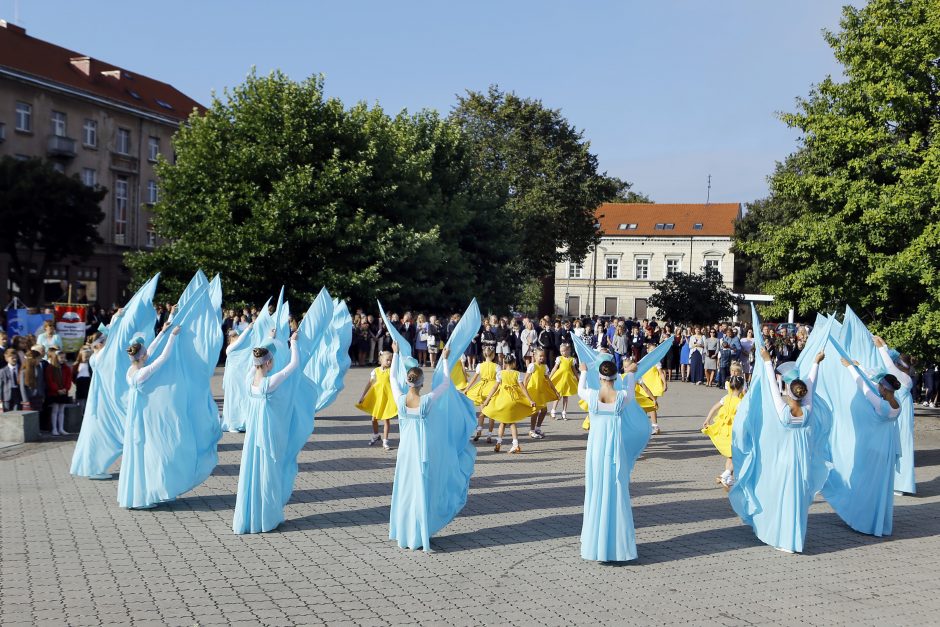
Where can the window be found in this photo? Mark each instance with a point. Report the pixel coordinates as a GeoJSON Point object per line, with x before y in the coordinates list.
{"type": "Point", "coordinates": [123, 141]}
{"type": "Point", "coordinates": [672, 266]}
{"type": "Point", "coordinates": [120, 209]}
{"type": "Point", "coordinates": [610, 306]}
{"type": "Point", "coordinates": [713, 264]}
{"type": "Point", "coordinates": [89, 177]}
{"type": "Point", "coordinates": [58, 124]}
{"type": "Point", "coordinates": [613, 268]}
{"type": "Point", "coordinates": [151, 234]}
{"type": "Point", "coordinates": [90, 133]}
{"type": "Point", "coordinates": [642, 265]}
{"type": "Point", "coordinates": [627, 227]}
{"type": "Point", "coordinates": [697, 226]}
{"type": "Point", "coordinates": [152, 194]}
{"type": "Point", "coordinates": [669, 226]}
{"type": "Point", "coordinates": [575, 270]}
{"type": "Point", "coordinates": [165, 105]}
{"type": "Point", "coordinates": [24, 117]}
{"type": "Point", "coordinates": [153, 148]}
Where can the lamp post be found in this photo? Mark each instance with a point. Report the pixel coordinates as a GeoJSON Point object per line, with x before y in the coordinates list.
{"type": "Point", "coordinates": [597, 226]}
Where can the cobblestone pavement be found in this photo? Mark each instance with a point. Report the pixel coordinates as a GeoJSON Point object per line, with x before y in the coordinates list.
{"type": "Point", "coordinates": [69, 555]}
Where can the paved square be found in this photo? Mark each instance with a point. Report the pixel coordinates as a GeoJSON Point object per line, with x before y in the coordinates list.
{"type": "Point", "coordinates": [70, 555]}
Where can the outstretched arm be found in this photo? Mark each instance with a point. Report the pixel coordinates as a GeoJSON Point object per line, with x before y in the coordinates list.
{"type": "Point", "coordinates": [239, 340]}
{"type": "Point", "coordinates": [902, 376]}
{"type": "Point", "coordinates": [445, 381]}
{"type": "Point", "coordinates": [582, 384]}
{"type": "Point", "coordinates": [862, 381]}
{"type": "Point", "coordinates": [147, 371]}
{"type": "Point", "coordinates": [278, 378]}
{"type": "Point", "coordinates": [768, 366]}
{"type": "Point", "coordinates": [396, 390]}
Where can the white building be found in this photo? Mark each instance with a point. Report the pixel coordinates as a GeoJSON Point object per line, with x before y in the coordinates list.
{"type": "Point", "coordinates": [642, 243]}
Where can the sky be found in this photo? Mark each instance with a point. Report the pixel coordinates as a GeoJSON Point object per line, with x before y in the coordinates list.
{"type": "Point", "coordinates": [667, 92]}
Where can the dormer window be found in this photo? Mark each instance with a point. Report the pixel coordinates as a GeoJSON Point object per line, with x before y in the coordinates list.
{"type": "Point", "coordinates": [697, 226]}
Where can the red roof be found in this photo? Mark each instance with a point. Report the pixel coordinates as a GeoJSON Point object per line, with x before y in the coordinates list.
{"type": "Point", "coordinates": [27, 55]}
{"type": "Point", "coordinates": [668, 220]}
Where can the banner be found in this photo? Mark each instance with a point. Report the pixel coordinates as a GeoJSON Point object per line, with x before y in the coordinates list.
{"type": "Point", "coordinates": [70, 325]}
{"type": "Point", "coordinates": [20, 322]}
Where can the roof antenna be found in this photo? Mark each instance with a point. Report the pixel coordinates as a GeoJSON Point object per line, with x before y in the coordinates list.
{"type": "Point", "coordinates": [16, 12]}
{"type": "Point", "coordinates": [708, 193]}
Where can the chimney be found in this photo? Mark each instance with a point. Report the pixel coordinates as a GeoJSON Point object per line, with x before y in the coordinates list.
{"type": "Point", "coordinates": [82, 64]}
{"type": "Point", "coordinates": [112, 74]}
{"type": "Point", "coordinates": [13, 28]}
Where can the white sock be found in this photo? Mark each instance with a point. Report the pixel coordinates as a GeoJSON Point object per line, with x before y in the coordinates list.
{"type": "Point", "coordinates": [726, 474]}
{"type": "Point", "coordinates": [515, 442]}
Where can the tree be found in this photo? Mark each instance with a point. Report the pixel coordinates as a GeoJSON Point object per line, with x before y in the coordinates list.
{"type": "Point", "coordinates": [627, 195]}
{"type": "Point", "coordinates": [277, 184]}
{"type": "Point", "coordinates": [545, 166]}
{"type": "Point", "coordinates": [853, 215]}
{"type": "Point", "coordinates": [47, 217]}
{"type": "Point", "coordinates": [693, 298]}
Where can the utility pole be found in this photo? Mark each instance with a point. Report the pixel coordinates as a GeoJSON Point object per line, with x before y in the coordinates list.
{"type": "Point", "coordinates": [708, 192]}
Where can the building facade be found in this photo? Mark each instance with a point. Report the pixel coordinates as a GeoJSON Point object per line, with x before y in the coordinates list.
{"type": "Point", "coordinates": [98, 122]}
{"type": "Point", "coordinates": [642, 243]}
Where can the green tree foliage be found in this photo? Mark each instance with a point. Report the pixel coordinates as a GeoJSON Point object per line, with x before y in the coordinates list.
{"type": "Point", "coordinates": [854, 214]}
{"type": "Point", "coordinates": [277, 183]}
{"type": "Point", "coordinates": [546, 165]}
{"type": "Point", "coordinates": [693, 298]}
{"type": "Point", "coordinates": [46, 217]}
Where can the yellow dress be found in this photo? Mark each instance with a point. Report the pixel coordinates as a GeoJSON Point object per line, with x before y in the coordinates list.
{"type": "Point", "coordinates": [653, 380]}
{"type": "Point", "coordinates": [565, 380]}
{"type": "Point", "coordinates": [720, 430]}
{"type": "Point", "coordinates": [378, 401]}
{"type": "Point", "coordinates": [509, 404]}
{"type": "Point", "coordinates": [458, 377]}
{"type": "Point", "coordinates": [539, 387]}
{"type": "Point", "coordinates": [479, 391]}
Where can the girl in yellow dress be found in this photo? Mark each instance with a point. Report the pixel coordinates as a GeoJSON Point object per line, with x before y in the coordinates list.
{"type": "Point", "coordinates": [479, 387]}
{"type": "Point", "coordinates": [719, 431]}
{"type": "Point", "coordinates": [541, 390]}
{"type": "Point", "coordinates": [508, 403]}
{"type": "Point", "coordinates": [564, 377]}
{"type": "Point", "coordinates": [652, 386]}
{"type": "Point", "coordinates": [377, 399]}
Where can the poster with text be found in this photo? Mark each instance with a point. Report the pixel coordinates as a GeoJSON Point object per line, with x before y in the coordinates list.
{"type": "Point", "coordinates": [70, 325]}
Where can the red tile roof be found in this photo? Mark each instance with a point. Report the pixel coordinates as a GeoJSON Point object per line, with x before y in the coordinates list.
{"type": "Point", "coordinates": [27, 55]}
{"type": "Point", "coordinates": [716, 219]}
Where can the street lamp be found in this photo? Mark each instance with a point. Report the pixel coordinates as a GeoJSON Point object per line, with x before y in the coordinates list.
{"type": "Point", "coordinates": [597, 226]}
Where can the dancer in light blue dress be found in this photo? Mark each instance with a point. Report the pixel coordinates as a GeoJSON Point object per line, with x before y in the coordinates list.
{"type": "Point", "coordinates": [280, 413]}
{"type": "Point", "coordinates": [898, 366]}
{"type": "Point", "coordinates": [780, 448]}
{"type": "Point", "coordinates": [172, 426]}
{"type": "Point", "coordinates": [865, 444]}
{"type": "Point", "coordinates": [619, 432]}
{"type": "Point", "coordinates": [101, 439]}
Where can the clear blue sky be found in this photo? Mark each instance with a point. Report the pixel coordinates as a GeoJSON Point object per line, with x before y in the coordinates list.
{"type": "Point", "coordinates": [667, 91]}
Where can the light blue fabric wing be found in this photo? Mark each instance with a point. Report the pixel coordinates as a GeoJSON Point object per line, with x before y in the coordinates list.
{"type": "Point", "coordinates": [180, 428]}
{"type": "Point", "coordinates": [215, 295]}
{"type": "Point", "coordinates": [101, 439]}
{"type": "Point", "coordinates": [744, 433]}
{"type": "Point", "coordinates": [459, 340]}
{"type": "Point", "coordinates": [865, 446]}
{"type": "Point", "coordinates": [238, 367]}
{"type": "Point", "coordinates": [653, 358]}
{"type": "Point", "coordinates": [400, 372]}
{"type": "Point", "coordinates": [196, 283]}
{"type": "Point", "coordinates": [591, 359]}
{"type": "Point", "coordinates": [330, 361]}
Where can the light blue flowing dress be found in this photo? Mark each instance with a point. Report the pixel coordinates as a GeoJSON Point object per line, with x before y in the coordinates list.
{"type": "Point", "coordinates": [237, 363]}
{"type": "Point", "coordinates": [865, 448]}
{"type": "Point", "coordinates": [435, 458]}
{"type": "Point", "coordinates": [101, 439]}
{"type": "Point", "coordinates": [780, 462]}
{"type": "Point", "coordinates": [280, 413]}
{"type": "Point", "coordinates": [617, 437]}
{"type": "Point", "coordinates": [172, 426]}
{"type": "Point", "coordinates": [615, 442]}
{"type": "Point", "coordinates": [331, 361]}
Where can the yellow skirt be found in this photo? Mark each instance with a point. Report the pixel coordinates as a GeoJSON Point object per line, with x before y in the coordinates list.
{"type": "Point", "coordinates": [540, 390]}
{"type": "Point", "coordinates": [508, 405]}
{"type": "Point", "coordinates": [654, 382]}
{"type": "Point", "coordinates": [458, 377]}
{"type": "Point", "coordinates": [565, 381]}
{"type": "Point", "coordinates": [379, 402]}
{"type": "Point", "coordinates": [720, 430]}
{"type": "Point", "coordinates": [646, 403]}
{"type": "Point", "coordinates": [480, 391]}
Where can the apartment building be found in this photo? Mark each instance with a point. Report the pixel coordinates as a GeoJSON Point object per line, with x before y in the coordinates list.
{"type": "Point", "coordinates": [99, 122]}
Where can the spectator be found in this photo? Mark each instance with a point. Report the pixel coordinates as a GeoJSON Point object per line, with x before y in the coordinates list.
{"type": "Point", "coordinates": [82, 375]}
{"type": "Point", "coordinates": [49, 338]}
{"type": "Point", "coordinates": [32, 382]}
{"type": "Point", "coordinates": [58, 384]}
{"type": "Point", "coordinates": [10, 393]}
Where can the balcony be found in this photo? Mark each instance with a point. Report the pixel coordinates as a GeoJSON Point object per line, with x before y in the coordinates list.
{"type": "Point", "coordinates": [61, 146]}
{"type": "Point", "coordinates": [123, 163]}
